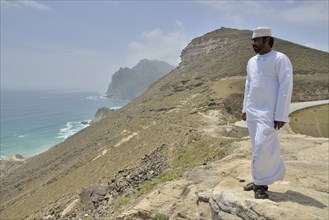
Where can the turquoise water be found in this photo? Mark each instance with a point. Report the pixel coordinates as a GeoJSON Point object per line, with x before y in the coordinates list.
{"type": "Point", "coordinates": [33, 120]}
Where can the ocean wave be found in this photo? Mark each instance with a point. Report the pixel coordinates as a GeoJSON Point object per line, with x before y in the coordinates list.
{"type": "Point", "coordinates": [116, 108]}
{"type": "Point", "coordinates": [96, 97]}
{"type": "Point", "coordinates": [72, 127]}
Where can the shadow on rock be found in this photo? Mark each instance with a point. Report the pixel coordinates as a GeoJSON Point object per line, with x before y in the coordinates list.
{"type": "Point", "coordinates": [297, 197]}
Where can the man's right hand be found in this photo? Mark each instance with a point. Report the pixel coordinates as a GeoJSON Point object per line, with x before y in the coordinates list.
{"type": "Point", "coordinates": [244, 116]}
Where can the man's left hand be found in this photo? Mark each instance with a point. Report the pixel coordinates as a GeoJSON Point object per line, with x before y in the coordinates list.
{"type": "Point", "coordinates": [279, 124]}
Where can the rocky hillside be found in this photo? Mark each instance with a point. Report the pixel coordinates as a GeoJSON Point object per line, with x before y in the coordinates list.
{"type": "Point", "coordinates": [215, 190]}
{"type": "Point", "coordinates": [129, 83]}
{"type": "Point", "coordinates": [184, 120]}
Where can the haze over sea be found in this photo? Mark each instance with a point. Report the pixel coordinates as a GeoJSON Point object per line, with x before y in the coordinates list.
{"type": "Point", "coordinates": [34, 120]}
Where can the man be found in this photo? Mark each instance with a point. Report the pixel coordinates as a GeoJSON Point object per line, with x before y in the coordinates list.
{"type": "Point", "coordinates": [266, 105]}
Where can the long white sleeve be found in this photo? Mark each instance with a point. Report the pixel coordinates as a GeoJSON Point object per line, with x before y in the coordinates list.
{"type": "Point", "coordinates": [285, 77]}
{"type": "Point", "coordinates": [246, 94]}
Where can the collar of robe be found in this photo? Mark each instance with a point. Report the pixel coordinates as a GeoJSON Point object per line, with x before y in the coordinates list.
{"type": "Point", "coordinates": [264, 56]}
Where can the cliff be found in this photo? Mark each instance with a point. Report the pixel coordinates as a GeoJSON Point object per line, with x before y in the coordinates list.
{"type": "Point", "coordinates": [129, 83]}
{"type": "Point", "coordinates": [101, 114]}
{"type": "Point", "coordinates": [182, 124]}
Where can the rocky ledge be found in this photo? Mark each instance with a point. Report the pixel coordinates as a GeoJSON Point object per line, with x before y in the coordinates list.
{"type": "Point", "coordinates": [215, 191]}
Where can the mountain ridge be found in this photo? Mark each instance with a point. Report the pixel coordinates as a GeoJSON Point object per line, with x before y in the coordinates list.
{"type": "Point", "coordinates": [129, 83]}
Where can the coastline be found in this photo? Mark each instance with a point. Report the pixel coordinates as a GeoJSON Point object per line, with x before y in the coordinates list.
{"type": "Point", "coordinates": [16, 157]}
{"type": "Point", "coordinates": [33, 121]}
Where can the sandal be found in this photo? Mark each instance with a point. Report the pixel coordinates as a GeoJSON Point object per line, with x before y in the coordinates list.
{"type": "Point", "coordinates": [260, 192]}
{"type": "Point", "coordinates": [250, 186]}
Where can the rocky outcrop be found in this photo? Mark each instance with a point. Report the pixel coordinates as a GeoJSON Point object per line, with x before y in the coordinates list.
{"type": "Point", "coordinates": [215, 191]}
{"type": "Point", "coordinates": [96, 199]}
{"type": "Point", "coordinates": [93, 196]}
{"type": "Point", "coordinates": [127, 180]}
{"type": "Point", "coordinates": [101, 114]}
{"type": "Point", "coordinates": [200, 47]}
{"type": "Point", "coordinates": [129, 83]}
{"type": "Point", "coordinates": [9, 164]}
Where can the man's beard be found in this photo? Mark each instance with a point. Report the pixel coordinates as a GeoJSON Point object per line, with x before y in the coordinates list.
{"type": "Point", "coordinates": [256, 49]}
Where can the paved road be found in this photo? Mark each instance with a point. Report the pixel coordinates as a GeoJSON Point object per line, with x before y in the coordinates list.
{"type": "Point", "coordinates": [293, 107]}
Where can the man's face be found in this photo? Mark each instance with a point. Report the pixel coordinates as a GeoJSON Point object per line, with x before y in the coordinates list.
{"type": "Point", "coordinates": [258, 44]}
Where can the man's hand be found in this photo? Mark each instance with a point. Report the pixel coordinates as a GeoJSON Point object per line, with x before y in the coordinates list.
{"type": "Point", "coordinates": [279, 124]}
{"type": "Point", "coordinates": [244, 116]}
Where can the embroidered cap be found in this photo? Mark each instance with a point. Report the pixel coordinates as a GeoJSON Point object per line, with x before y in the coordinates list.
{"type": "Point", "coordinates": [262, 32]}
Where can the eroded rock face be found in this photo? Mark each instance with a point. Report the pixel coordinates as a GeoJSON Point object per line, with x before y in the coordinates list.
{"type": "Point", "coordinates": [95, 200]}
{"type": "Point", "coordinates": [92, 196]}
{"type": "Point", "coordinates": [215, 191]}
{"type": "Point", "coordinates": [198, 48]}
{"type": "Point", "coordinates": [101, 114]}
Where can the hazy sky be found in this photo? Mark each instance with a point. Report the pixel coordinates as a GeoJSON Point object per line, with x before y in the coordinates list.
{"type": "Point", "coordinates": [79, 44]}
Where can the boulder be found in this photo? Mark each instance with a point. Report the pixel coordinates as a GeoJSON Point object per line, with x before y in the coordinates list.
{"type": "Point", "coordinates": [91, 197]}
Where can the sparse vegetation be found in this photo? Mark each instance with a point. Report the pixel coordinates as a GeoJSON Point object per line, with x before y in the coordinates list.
{"type": "Point", "coordinates": [160, 216]}
{"type": "Point", "coordinates": [162, 178]}
{"type": "Point", "coordinates": [311, 121]}
{"type": "Point", "coordinates": [195, 151]}
{"type": "Point", "coordinates": [87, 217]}
{"type": "Point", "coordinates": [120, 202]}
{"type": "Point", "coordinates": [310, 87]}
{"type": "Point", "coordinates": [185, 189]}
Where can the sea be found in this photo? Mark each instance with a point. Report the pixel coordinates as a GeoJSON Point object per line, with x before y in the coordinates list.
{"type": "Point", "coordinates": [32, 121]}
